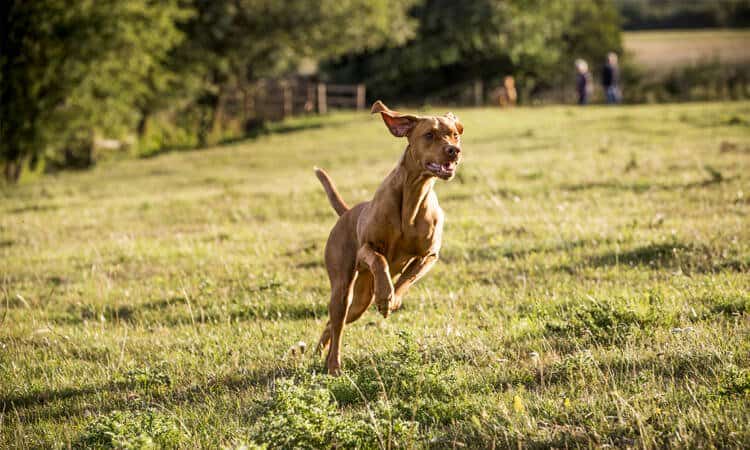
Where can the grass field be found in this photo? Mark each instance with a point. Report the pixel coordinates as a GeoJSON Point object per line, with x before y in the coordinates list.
{"type": "Point", "coordinates": [592, 291]}
{"type": "Point", "coordinates": [665, 50]}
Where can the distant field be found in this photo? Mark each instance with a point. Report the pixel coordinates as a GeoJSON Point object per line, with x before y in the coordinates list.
{"type": "Point", "coordinates": [592, 292]}
{"type": "Point", "coordinates": [661, 50]}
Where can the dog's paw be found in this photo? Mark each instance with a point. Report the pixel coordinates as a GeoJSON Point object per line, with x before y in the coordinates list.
{"type": "Point", "coordinates": [384, 302]}
{"type": "Point", "coordinates": [386, 307]}
{"type": "Point", "coordinates": [395, 303]}
{"type": "Point", "coordinates": [334, 370]}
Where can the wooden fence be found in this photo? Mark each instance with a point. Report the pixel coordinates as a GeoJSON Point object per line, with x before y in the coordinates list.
{"type": "Point", "coordinates": [272, 100]}
{"type": "Point", "coordinates": [341, 96]}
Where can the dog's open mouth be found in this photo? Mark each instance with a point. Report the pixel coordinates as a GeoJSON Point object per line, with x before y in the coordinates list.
{"type": "Point", "coordinates": [445, 170]}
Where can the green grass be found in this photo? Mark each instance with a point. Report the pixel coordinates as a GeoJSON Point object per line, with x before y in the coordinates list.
{"type": "Point", "coordinates": [592, 291]}
{"type": "Point", "coordinates": [665, 50]}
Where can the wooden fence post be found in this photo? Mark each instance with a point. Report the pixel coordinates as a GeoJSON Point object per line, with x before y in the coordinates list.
{"type": "Point", "coordinates": [360, 97]}
{"type": "Point", "coordinates": [322, 102]}
{"type": "Point", "coordinates": [287, 100]}
{"type": "Point", "coordinates": [310, 101]}
{"type": "Point", "coordinates": [478, 93]}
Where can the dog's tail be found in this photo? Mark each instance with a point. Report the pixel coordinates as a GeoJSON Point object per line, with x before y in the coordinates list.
{"type": "Point", "coordinates": [333, 196]}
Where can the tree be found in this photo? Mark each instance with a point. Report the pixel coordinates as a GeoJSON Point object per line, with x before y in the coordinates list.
{"type": "Point", "coordinates": [236, 42]}
{"type": "Point", "coordinates": [71, 69]}
{"type": "Point", "coordinates": [459, 42]}
{"type": "Point", "coordinates": [593, 30]}
{"type": "Point", "coordinates": [661, 14]}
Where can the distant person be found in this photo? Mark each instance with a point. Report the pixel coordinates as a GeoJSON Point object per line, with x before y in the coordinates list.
{"type": "Point", "coordinates": [508, 95]}
{"type": "Point", "coordinates": [583, 81]}
{"type": "Point", "coordinates": [611, 79]}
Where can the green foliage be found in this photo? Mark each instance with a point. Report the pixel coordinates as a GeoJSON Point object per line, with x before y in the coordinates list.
{"type": "Point", "coordinates": [458, 42]}
{"type": "Point", "coordinates": [145, 377]}
{"type": "Point", "coordinates": [131, 430]}
{"type": "Point", "coordinates": [735, 381]}
{"type": "Point", "coordinates": [664, 14]}
{"type": "Point", "coordinates": [72, 70]}
{"type": "Point", "coordinates": [601, 320]}
{"type": "Point", "coordinates": [231, 43]}
{"type": "Point", "coordinates": [303, 415]}
{"type": "Point", "coordinates": [400, 391]}
{"type": "Point", "coordinates": [699, 81]}
{"type": "Point", "coordinates": [592, 32]}
{"type": "Point", "coordinates": [732, 306]}
{"type": "Point", "coordinates": [418, 387]}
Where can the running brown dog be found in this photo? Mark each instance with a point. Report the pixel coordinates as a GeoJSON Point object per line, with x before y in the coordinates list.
{"type": "Point", "coordinates": [395, 235]}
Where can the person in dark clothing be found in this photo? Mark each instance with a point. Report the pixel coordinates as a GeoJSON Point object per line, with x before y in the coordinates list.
{"type": "Point", "coordinates": [583, 82]}
{"type": "Point", "coordinates": [611, 79]}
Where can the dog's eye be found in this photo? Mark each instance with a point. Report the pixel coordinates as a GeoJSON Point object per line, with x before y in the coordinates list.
{"type": "Point", "coordinates": [429, 136]}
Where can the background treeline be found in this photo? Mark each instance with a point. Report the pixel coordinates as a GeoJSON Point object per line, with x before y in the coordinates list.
{"type": "Point", "coordinates": [75, 72]}
{"type": "Point", "coordinates": [145, 75]}
{"type": "Point", "coordinates": [458, 43]}
{"type": "Point", "coordinates": [665, 14]}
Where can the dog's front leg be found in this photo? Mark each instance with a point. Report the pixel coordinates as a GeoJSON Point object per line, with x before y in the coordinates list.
{"type": "Point", "coordinates": [378, 265]}
{"type": "Point", "coordinates": [416, 269]}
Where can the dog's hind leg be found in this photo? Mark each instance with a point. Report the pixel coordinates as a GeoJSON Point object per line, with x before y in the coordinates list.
{"type": "Point", "coordinates": [341, 257]}
{"type": "Point", "coordinates": [341, 297]}
{"type": "Point", "coordinates": [361, 300]}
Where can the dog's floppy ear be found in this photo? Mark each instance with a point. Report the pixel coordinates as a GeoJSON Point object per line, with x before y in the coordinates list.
{"type": "Point", "coordinates": [398, 124]}
{"type": "Point", "coordinates": [456, 122]}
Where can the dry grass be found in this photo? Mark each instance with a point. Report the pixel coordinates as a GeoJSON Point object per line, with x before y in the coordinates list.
{"type": "Point", "coordinates": [665, 50]}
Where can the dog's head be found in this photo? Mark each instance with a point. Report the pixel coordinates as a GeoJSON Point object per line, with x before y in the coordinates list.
{"type": "Point", "coordinates": [435, 141]}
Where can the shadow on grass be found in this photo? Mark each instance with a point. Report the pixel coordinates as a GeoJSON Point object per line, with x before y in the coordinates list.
{"type": "Point", "coordinates": [54, 404]}
{"type": "Point", "coordinates": [40, 398]}
{"type": "Point", "coordinates": [644, 186]}
{"type": "Point", "coordinates": [687, 258]}
{"type": "Point", "coordinates": [254, 131]}
{"type": "Point", "coordinates": [77, 314]}
{"type": "Point", "coordinates": [655, 256]}
{"type": "Point", "coordinates": [310, 265]}
{"type": "Point", "coordinates": [293, 128]}
{"type": "Point", "coordinates": [33, 208]}
{"type": "Point", "coordinates": [494, 252]}
{"type": "Point", "coordinates": [176, 311]}
{"type": "Point", "coordinates": [652, 255]}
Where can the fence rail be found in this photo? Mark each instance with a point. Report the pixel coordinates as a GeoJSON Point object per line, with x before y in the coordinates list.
{"type": "Point", "coordinates": [277, 99]}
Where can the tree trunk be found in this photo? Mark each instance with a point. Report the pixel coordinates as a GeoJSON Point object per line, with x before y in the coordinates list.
{"type": "Point", "coordinates": [12, 171]}
{"type": "Point", "coordinates": [218, 113]}
{"type": "Point", "coordinates": [142, 127]}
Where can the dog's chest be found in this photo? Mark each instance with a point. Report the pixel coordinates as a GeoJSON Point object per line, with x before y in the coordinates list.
{"type": "Point", "coordinates": [423, 236]}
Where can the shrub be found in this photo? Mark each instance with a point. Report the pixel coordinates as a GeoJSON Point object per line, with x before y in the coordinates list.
{"type": "Point", "coordinates": [708, 80]}
{"type": "Point", "coordinates": [145, 377]}
{"type": "Point", "coordinates": [734, 381]}
{"type": "Point", "coordinates": [417, 387]}
{"type": "Point", "coordinates": [731, 305]}
{"type": "Point", "coordinates": [602, 321]}
{"type": "Point", "coordinates": [304, 415]}
{"type": "Point", "coordinates": [131, 430]}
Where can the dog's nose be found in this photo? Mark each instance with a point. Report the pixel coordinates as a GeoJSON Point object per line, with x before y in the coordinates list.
{"type": "Point", "coordinates": [452, 151]}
